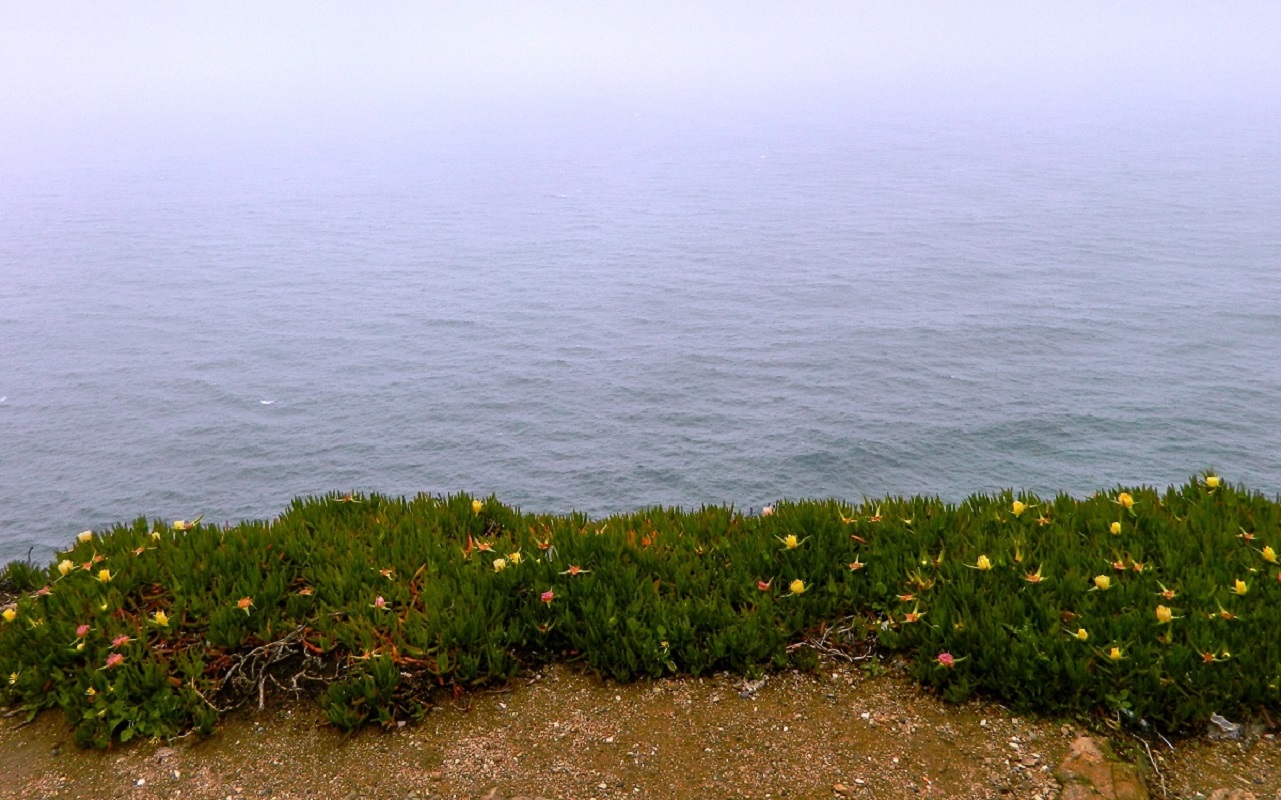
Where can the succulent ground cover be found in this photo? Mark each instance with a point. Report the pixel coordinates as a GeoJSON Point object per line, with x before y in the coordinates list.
{"type": "Point", "coordinates": [1149, 608]}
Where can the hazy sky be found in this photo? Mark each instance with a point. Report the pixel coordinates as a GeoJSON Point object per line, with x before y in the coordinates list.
{"type": "Point", "coordinates": [68, 68]}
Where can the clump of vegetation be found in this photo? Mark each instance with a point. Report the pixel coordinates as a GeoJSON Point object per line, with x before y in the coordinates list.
{"type": "Point", "coordinates": [1144, 606]}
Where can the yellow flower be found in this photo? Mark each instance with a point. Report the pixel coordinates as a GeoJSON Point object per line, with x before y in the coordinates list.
{"type": "Point", "coordinates": [104, 575]}
{"type": "Point", "coordinates": [1081, 634]}
{"type": "Point", "coordinates": [1018, 508]}
{"type": "Point", "coordinates": [791, 542]}
{"type": "Point", "coordinates": [1125, 501]}
{"type": "Point", "coordinates": [514, 557]}
{"type": "Point", "coordinates": [162, 619]}
{"type": "Point", "coordinates": [1102, 583]}
{"type": "Point", "coordinates": [1115, 654]}
{"type": "Point", "coordinates": [797, 586]}
{"type": "Point", "coordinates": [1034, 577]}
{"type": "Point", "coordinates": [1163, 614]}
{"type": "Point", "coordinates": [65, 566]}
{"type": "Point", "coordinates": [984, 563]}
{"type": "Point", "coordinates": [1213, 481]}
{"type": "Point", "coordinates": [500, 564]}
{"type": "Point", "coordinates": [9, 615]}
{"type": "Point", "coordinates": [155, 536]}
{"type": "Point", "coordinates": [1115, 527]}
{"type": "Point", "coordinates": [90, 692]}
{"type": "Point", "coordinates": [476, 506]}
{"type": "Point", "coordinates": [1269, 555]}
{"type": "Point", "coordinates": [1239, 587]}
{"type": "Point", "coordinates": [181, 525]}
{"type": "Point", "coordinates": [13, 677]}
{"type": "Point", "coordinates": [84, 537]}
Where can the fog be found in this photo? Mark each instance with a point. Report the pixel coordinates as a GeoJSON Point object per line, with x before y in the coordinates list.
{"type": "Point", "coordinates": [76, 73]}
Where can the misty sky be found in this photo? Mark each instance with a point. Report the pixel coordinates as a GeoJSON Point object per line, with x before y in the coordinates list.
{"type": "Point", "coordinates": [71, 70]}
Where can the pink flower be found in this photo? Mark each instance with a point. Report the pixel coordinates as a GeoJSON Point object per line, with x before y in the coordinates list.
{"type": "Point", "coordinates": [42, 591]}
{"type": "Point", "coordinates": [114, 660]}
{"type": "Point", "coordinates": [947, 660]}
{"type": "Point", "coordinates": [120, 641]}
{"type": "Point", "coordinates": [548, 596]}
{"type": "Point", "coordinates": [82, 631]}
{"type": "Point", "coordinates": [380, 603]}
{"type": "Point", "coordinates": [764, 585]}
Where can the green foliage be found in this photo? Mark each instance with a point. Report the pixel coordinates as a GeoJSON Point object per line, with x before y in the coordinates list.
{"type": "Point", "coordinates": [1052, 605]}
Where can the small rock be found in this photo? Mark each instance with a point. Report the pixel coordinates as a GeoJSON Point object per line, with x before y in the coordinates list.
{"type": "Point", "coordinates": [841, 789]}
{"type": "Point", "coordinates": [1234, 794]}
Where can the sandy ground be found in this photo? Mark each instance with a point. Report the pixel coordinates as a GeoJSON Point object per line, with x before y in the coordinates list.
{"type": "Point", "coordinates": [561, 734]}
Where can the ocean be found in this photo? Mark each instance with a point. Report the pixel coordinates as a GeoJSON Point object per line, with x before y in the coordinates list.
{"type": "Point", "coordinates": [609, 313]}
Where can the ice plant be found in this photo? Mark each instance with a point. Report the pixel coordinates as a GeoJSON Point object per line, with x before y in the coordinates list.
{"type": "Point", "coordinates": [1269, 555]}
{"type": "Point", "coordinates": [477, 506]}
{"type": "Point", "coordinates": [1164, 615]}
{"type": "Point", "coordinates": [387, 573]}
{"type": "Point", "coordinates": [574, 569]}
{"type": "Point", "coordinates": [104, 575]}
{"type": "Point", "coordinates": [797, 586]}
{"type": "Point", "coordinates": [161, 619]}
{"type": "Point", "coordinates": [1115, 654]}
{"type": "Point", "coordinates": [767, 511]}
{"type": "Point", "coordinates": [82, 631]}
{"type": "Point", "coordinates": [121, 640]}
{"type": "Point", "coordinates": [856, 565]}
{"type": "Point", "coordinates": [946, 660]}
{"type": "Point", "coordinates": [1115, 528]}
{"type": "Point", "coordinates": [9, 615]}
{"type": "Point", "coordinates": [500, 564]}
{"type": "Point", "coordinates": [380, 603]}
{"type": "Point", "coordinates": [244, 603]}
{"type": "Point", "coordinates": [1125, 500]}
{"type": "Point", "coordinates": [1102, 583]}
{"type": "Point", "coordinates": [13, 677]}
{"type": "Point", "coordinates": [790, 541]}
{"type": "Point", "coordinates": [1168, 594]}
{"type": "Point", "coordinates": [1081, 634]}
{"type": "Point", "coordinates": [514, 558]}
{"type": "Point", "coordinates": [1213, 481]}
{"type": "Point", "coordinates": [84, 537]}
{"type": "Point", "coordinates": [1034, 577]}
{"type": "Point", "coordinates": [984, 563]}
{"type": "Point", "coordinates": [114, 660]}
{"type": "Point", "coordinates": [547, 596]}
{"type": "Point", "coordinates": [42, 591]}
{"type": "Point", "coordinates": [764, 585]}
{"type": "Point", "coordinates": [1018, 508]}
{"type": "Point", "coordinates": [914, 615]}
{"type": "Point", "coordinates": [65, 566]}
{"type": "Point", "coordinates": [1239, 587]}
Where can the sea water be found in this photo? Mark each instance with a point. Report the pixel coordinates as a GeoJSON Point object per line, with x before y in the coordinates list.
{"type": "Point", "coordinates": [606, 315]}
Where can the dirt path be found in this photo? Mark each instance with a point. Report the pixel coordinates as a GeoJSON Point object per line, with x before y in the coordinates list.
{"type": "Point", "coordinates": [565, 735]}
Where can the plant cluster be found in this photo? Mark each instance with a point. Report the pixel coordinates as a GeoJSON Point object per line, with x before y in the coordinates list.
{"type": "Point", "coordinates": [1159, 608]}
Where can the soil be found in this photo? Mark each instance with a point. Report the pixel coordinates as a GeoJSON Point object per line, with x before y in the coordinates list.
{"type": "Point", "coordinates": [842, 731]}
